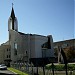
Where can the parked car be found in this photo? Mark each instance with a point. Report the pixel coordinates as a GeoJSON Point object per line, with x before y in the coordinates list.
{"type": "Point", "coordinates": [3, 67]}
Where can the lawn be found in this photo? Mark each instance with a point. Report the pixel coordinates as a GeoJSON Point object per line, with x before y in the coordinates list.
{"type": "Point", "coordinates": [17, 71]}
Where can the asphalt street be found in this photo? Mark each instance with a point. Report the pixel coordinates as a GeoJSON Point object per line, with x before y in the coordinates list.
{"type": "Point", "coordinates": [6, 72]}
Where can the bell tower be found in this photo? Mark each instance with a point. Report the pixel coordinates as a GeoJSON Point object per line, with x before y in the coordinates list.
{"type": "Point", "coordinates": [12, 21]}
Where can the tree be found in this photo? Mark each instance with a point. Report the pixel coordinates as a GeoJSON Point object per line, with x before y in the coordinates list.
{"type": "Point", "coordinates": [70, 53]}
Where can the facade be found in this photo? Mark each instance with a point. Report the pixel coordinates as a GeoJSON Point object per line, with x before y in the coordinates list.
{"type": "Point", "coordinates": [5, 54]}
{"type": "Point", "coordinates": [65, 45]}
{"type": "Point", "coordinates": [24, 46]}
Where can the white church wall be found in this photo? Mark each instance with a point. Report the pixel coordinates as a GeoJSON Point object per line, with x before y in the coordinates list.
{"type": "Point", "coordinates": [12, 41]}
{"type": "Point", "coordinates": [39, 40]}
{"type": "Point", "coordinates": [15, 39]}
{"type": "Point", "coordinates": [32, 46]}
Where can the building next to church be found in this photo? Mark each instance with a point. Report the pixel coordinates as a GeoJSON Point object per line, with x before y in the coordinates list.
{"type": "Point", "coordinates": [22, 47]}
{"type": "Point", "coordinates": [66, 45]}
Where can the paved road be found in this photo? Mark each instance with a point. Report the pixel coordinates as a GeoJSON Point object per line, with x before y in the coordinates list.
{"type": "Point", "coordinates": [6, 72]}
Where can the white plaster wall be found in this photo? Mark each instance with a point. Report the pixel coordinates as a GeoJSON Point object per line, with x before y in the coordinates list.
{"type": "Point", "coordinates": [39, 40]}
{"type": "Point", "coordinates": [15, 38]}
{"type": "Point", "coordinates": [30, 43]}
{"type": "Point", "coordinates": [22, 45]}
{"type": "Point", "coordinates": [32, 46]}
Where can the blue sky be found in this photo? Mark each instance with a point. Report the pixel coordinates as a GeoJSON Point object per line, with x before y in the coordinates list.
{"type": "Point", "coordinates": [43, 17]}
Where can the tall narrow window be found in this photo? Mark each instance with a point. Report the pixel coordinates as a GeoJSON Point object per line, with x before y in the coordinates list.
{"type": "Point", "coordinates": [15, 48]}
{"type": "Point", "coordinates": [26, 52]}
{"type": "Point", "coordinates": [7, 49]}
{"type": "Point", "coordinates": [15, 52]}
{"type": "Point", "coordinates": [7, 56]}
{"type": "Point", "coordinates": [10, 23]}
{"type": "Point", "coordinates": [15, 45]}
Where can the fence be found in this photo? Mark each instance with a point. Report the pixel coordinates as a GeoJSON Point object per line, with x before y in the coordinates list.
{"type": "Point", "coordinates": [27, 68]}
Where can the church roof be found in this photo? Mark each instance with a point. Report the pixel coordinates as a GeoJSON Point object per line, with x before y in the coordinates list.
{"type": "Point", "coordinates": [21, 33]}
{"type": "Point", "coordinates": [6, 43]}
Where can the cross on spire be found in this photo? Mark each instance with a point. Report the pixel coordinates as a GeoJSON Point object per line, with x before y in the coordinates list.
{"type": "Point", "coordinates": [12, 12]}
{"type": "Point", "coordinates": [12, 4]}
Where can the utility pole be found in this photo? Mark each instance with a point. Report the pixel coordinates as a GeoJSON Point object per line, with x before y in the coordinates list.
{"type": "Point", "coordinates": [53, 68]}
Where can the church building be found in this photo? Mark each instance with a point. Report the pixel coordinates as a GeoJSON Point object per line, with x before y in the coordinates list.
{"type": "Point", "coordinates": [22, 47]}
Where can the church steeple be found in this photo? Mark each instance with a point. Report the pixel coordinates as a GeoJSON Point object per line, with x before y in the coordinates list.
{"type": "Point", "coordinates": [12, 22]}
{"type": "Point", "coordinates": [13, 17]}
{"type": "Point", "coordinates": [12, 14]}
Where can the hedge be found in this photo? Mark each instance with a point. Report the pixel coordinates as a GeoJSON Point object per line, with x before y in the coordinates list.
{"type": "Point", "coordinates": [60, 67]}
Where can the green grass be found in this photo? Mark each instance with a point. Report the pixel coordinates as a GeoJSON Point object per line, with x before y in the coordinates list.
{"type": "Point", "coordinates": [17, 71]}
{"type": "Point", "coordinates": [59, 68]}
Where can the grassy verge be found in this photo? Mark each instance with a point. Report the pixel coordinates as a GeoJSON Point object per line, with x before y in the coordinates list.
{"type": "Point", "coordinates": [17, 71]}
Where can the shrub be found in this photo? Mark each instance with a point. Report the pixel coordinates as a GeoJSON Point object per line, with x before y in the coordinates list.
{"type": "Point", "coordinates": [61, 67]}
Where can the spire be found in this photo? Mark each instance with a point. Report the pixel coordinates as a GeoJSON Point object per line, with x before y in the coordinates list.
{"type": "Point", "coordinates": [12, 13]}
{"type": "Point", "coordinates": [12, 22]}
{"type": "Point", "coordinates": [13, 17]}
